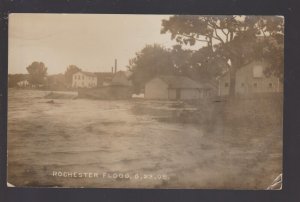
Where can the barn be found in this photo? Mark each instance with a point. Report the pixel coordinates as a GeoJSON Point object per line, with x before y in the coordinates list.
{"type": "Point", "coordinates": [175, 88]}
{"type": "Point", "coordinates": [250, 79]}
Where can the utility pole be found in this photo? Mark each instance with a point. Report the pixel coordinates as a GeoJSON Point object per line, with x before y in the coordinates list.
{"type": "Point", "coordinates": [116, 63]}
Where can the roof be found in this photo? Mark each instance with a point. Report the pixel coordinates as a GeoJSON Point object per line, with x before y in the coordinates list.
{"type": "Point", "coordinates": [121, 78]}
{"type": "Point", "coordinates": [180, 82]}
{"type": "Point", "coordinates": [125, 73]}
{"type": "Point", "coordinates": [88, 73]}
{"type": "Point", "coordinates": [224, 73]}
{"type": "Point", "coordinates": [128, 73]}
{"type": "Point", "coordinates": [104, 74]}
{"type": "Point", "coordinates": [209, 85]}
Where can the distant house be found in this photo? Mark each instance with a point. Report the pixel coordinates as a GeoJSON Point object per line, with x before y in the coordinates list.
{"type": "Point", "coordinates": [23, 83]}
{"type": "Point", "coordinates": [121, 78]}
{"type": "Point", "coordinates": [83, 79]}
{"type": "Point", "coordinates": [118, 87]}
{"type": "Point", "coordinates": [56, 82]}
{"type": "Point", "coordinates": [104, 78]}
{"type": "Point", "coordinates": [113, 78]}
{"type": "Point", "coordinates": [175, 88]}
{"type": "Point", "coordinates": [250, 79]}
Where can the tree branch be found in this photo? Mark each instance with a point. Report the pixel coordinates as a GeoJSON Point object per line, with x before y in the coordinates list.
{"type": "Point", "coordinates": [264, 33]}
{"type": "Point", "coordinates": [215, 27]}
{"type": "Point", "coordinates": [189, 36]}
{"type": "Point", "coordinates": [226, 34]}
{"type": "Point", "coordinates": [202, 40]}
{"type": "Point", "coordinates": [220, 39]}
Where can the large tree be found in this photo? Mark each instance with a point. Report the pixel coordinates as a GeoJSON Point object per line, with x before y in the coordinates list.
{"type": "Point", "coordinates": [181, 60]}
{"type": "Point", "coordinates": [37, 73]}
{"type": "Point", "coordinates": [156, 60]}
{"type": "Point", "coordinates": [196, 64]}
{"type": "Point", "coordinates": [230, 40]}
{"type": "Point", "coordinates": [71, 69]}
{"type": "Point", "coordinates": [150, 61]}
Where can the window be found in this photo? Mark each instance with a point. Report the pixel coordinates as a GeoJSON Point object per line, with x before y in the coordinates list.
{"type": "Point", "coordinates": [226, 84]}
{"type": "Point", "coordinates": [255, 85]}
{"type": "Point", "coordinates": [257, 71]}
{"type": "Point", "coordinates": [242, 84]}
{"type": "Point", "coordinates": [270, 85]}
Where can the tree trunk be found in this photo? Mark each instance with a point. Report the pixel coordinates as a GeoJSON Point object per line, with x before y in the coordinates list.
{"type": "Point", "coordinates": [232, 83]}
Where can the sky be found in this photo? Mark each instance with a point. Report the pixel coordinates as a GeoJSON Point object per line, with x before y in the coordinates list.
{"type": "Point", "coordinates": [89, 41]}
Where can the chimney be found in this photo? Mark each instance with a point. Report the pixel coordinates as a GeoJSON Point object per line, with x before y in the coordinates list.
{"type": "Point", "coordinates": [116, 65]}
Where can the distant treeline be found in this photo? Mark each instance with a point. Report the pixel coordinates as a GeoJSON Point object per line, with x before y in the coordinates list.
{"type": "Point", "coordinates": [37, 78]}
{"type": "Point", "coordinates": [13, 79]}
{"type": "Point", "coordinates": [52, 82]}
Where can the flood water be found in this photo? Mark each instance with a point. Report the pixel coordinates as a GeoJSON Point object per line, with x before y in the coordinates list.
{"type": "Point", "coordinates": [129, 138]}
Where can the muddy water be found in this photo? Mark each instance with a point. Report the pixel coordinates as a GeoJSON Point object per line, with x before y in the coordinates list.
{"type": "Point", "coordinates": [124, 144]}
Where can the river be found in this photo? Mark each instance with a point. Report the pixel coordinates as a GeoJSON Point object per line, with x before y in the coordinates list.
{"type": "Point", "coordinates": [124, 143]}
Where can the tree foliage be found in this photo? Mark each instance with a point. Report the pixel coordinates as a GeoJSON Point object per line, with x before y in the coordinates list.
{"type": "Point", "coordinates": [230, 40]}
{"type": "Point", "coordinates": [37, 73]}
{"type": "Point", "coordinates": [271, 49]}
{"type": "Point", "coordinates": [150, 61]}
{"type": "Point", "coordinates": [156, 60]}
{"type": "Point", "coordinates": [71, 69]}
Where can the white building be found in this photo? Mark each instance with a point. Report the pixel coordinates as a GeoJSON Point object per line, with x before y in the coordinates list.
{"type": "Point", "coordinates": [23, 83]}
{"type": "Point", "coordinates": [84, 80]}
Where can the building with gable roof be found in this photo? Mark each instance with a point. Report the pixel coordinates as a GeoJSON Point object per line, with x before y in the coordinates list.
{"type": "Point", "coordinates": [121, 78]}
{"type": "Point", "coordinates": [250, 79]}
{"type": "Point", "coordinates": [176, 88]}
{"type": "Point", "coordinates": [83, 79]}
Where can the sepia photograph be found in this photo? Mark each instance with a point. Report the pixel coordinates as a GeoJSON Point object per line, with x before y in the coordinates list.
{"type": "Point", "coordinates": [145, 101]}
